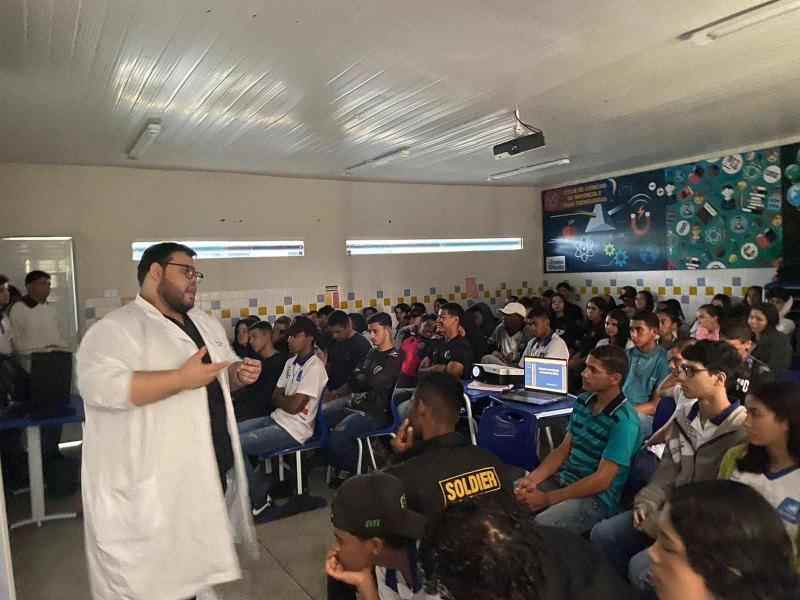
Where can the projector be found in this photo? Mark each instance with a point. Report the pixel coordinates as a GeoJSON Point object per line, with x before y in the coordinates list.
{"type": "Point", "coordinates": [497, 374]}
{"type": "Point", "coordinates": [519, 145]}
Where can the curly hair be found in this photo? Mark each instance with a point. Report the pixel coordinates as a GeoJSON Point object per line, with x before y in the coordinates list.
{"type": "Point", "coordinates": [484, 549]}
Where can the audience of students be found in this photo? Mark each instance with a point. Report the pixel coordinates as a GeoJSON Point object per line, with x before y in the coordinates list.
{"type": "Point", "coordinates": [580, 482]}
{"type": "Point", "coordinates": [772, 346]}
{"type": "Point", "coordinates": [454, 355]}
{"type": "Point", "coordinates": [566, 319]}
{"type": "Point", "coordinates": [701, 434]}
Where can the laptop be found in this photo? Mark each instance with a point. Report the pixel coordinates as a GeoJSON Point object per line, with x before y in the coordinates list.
{"type": "Point", "coordinates": [545, 382]}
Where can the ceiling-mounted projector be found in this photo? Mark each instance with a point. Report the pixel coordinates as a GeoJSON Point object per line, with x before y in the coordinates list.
{"type": "Point", "coordinates": [519, 145]}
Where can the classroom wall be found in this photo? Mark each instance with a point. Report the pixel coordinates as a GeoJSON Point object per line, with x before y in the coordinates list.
{"type": "Point", "coordinates": [105, 209]}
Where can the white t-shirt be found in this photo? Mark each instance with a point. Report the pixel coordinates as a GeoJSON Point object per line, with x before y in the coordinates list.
{"type": "Point", "coordinates": [35, 329]}
{"type": "Point", "coordinates": [5, 335]}
{"type": "Point", "coordinates": [308, 378]}
{"type": "Point", "coordinates": [556, 347]}
{"type": "Point", "coordinates": [782, 491]}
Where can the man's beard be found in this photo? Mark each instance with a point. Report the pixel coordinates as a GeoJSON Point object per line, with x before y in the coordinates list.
{"type": "Point", "coordinates": [173, 297]}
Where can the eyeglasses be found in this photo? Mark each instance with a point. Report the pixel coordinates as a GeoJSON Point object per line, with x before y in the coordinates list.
{"type": "Point", "coordinates": [689, 371]}
{"type": "Point", "coordinates": [188, 271]}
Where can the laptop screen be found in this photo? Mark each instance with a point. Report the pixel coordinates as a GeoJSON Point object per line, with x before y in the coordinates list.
{"type": "Point", "coordinates": [546, 375]}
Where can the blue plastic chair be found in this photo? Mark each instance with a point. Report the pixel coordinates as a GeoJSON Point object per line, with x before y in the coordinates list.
{"type": "Point", "coordinates": [317, 441]}
{"type": "Point", "coordinates": [388, 430]}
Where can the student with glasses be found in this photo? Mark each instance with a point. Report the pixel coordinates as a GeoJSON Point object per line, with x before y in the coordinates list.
{"type": "Point", "coordinates": [702, 433]}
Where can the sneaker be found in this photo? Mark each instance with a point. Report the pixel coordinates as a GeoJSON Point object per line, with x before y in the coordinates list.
{"type": "Point", "coordinates": [262, 506]}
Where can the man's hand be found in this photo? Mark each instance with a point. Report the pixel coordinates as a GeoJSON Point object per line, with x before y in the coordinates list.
{"type": "Point", "coordinates": [196, 374]}
{"type": "Point", "coordinates": [363, 581]}
{"type": "Point", "coordinates": [404, 439]}
{"type": "Point", "coordinates": [248, 371]}
{"type": "Point", "coordinates": [533, 499]}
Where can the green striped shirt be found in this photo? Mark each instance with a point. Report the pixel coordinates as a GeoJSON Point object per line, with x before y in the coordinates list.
{"type": "Point", "coordinates": [612, 435]}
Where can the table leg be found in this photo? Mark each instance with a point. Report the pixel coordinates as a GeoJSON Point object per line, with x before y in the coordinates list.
{"type": "Point", "coordinates": [36, 475]}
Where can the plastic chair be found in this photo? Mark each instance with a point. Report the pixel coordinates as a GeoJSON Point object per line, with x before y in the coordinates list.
{"type": "Point", "coordinates": [470, 422]}
{"type": "Point", "coordinates": [317, 441]}
{"type": "Point", "coordinates": [389, 430]}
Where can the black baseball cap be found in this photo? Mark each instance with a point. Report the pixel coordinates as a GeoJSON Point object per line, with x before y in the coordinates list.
{"type": "Point", "coordinates": [375, 505]}
{"type": "Point", "coordinates": [302, 325]}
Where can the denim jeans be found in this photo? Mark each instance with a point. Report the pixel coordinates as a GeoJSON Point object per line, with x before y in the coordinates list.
{"type": "Point", "coordinates": [260, 436]}
{"type": "Point", "coordinates": [578, 515]}
{"type": "Point", "coordinates": [343, 447]}
{"type": "Point", "coordinates": [625, 547]}
{"type": "Point", "coordinates": [645, 425]}
{"type": "Point", "coordinates": [335, 410]}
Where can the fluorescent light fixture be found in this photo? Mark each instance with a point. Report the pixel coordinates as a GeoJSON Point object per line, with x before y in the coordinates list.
{"type": "Point", "coordinates": [37, 239]}
{"type": "Point", "coordinates": [432, 246]}
{"type": "Point", "coordinates": [766, 11]}
{"type": "Point", "coordinates": [528, 169]}
{"type": "Point", "coordinates": [146, 138]}
{"type": "Point", "coordinates": [381, 160]}
{"type": "Point", "coordinates": [231, 249]}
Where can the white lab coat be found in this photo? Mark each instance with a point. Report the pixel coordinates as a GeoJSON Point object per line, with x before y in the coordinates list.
{"type": "Point", "coordinates": [155, 517]}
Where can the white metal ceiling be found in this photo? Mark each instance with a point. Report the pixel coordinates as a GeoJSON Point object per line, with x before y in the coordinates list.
{"type": "Point", "coordinates": [310, 87]}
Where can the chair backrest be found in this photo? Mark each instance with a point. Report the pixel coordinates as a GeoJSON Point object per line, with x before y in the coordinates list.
{"type": "Point", "coordinates": [321, 429]}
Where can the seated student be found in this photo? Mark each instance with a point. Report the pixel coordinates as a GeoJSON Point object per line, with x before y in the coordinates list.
{"type": "Point", "coordinates": [314, 316]}
{"type": "Point", "coordinates": [547, 299]}
{"type": "Point", "coordinates": [454, 355]}
{"type": "Point", "coordinates": [772, 347]}
{"type": "Point", "coordinates": [709, 321]}
{"type": "Point", "coordinates": [592, 331]}
{"type": "Point", "coordinates": [437, 464]}
{"type": "Point", "coordinates": [700, 436]}
{"type": "Point", "coordinates": [370, 388]}
{"type": "Point", "coordinates": [412, 328]}
{"type": "Point", "coordinates": [644, 301]}
{"type": "Point", "coordinates": [628, 297]}
{"type": "Point", "coordinates": [564, 320]}
{"type": "Point", "coordinates": [723, 302]}
{"type": "Point", "coordinates": [754, 296]}
{"type": "Point", "coordinates": [770, 461]}
{"type": "Point", "coordinates": [347, 351]}
{"type": "Point", "coordinates": [279, 330]}
{"type": "Point", "coordinates": [753, 373]}
{"type": "Point", "coordinates": [241, 337]}
{"type": "Point", "coordinates": [486, 549]}
{"type": "Point", "coordinates": [581, 481]}
{"type": "Point", "coordinates": [414, 349]}
{"type": "Point", "coordinates": [376, 539]}
{"type": "Point", "coordinates": [648, 368]}
{"type": "Point", "coordinates": [669, 327]}
{"type": "Point", "coordinates": [676, 309]}
{"type": "Point", "coordinates": [402, 313]}
{"type": "Point", "coordinates": [359, 325]}
{"type": "Point", "coordinates": [296, 398]}
{"type": "Point", "coordinates": [508, 338]}
{"type": "Point", "coordinates": [781, 299]}
{"type": "Point", "coordinates": [255, 400]}
{"type": "Point", "coordinates": [438, 304]}
{"type": "Point", "coordinates": [544, 343]}
{"type": "Point", "coordinates": [721, 539]}
{"type": "Point", "coordinates": [368, 311]}
{"type": "Point", "coordinates": [618, 332]}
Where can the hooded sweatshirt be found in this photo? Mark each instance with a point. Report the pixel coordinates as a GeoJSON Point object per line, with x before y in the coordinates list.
{"type": "Point", "coordinates": [691, 455]}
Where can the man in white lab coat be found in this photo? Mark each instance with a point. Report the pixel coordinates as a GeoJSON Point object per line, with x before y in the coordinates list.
{"type": "Point", "coordinates": [160, 433]}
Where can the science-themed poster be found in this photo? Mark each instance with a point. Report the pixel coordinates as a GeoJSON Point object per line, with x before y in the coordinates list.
{"type": "Point", "coordinates": [712, 214]}
{"type": "Point", "coordinates": [612, 224]}
{"type": "Point", "coordinates": [790, 159]}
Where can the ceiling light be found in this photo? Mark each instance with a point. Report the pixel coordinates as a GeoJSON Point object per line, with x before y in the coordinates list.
{"type": "Point", "coordinates": [146, 138]}
{"type": "Point", "coordinates": [528, 169]}
{"type": "Point", "coordinates": [734, 23]}
{"type": "Point", "coordinates": [381, 160]}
